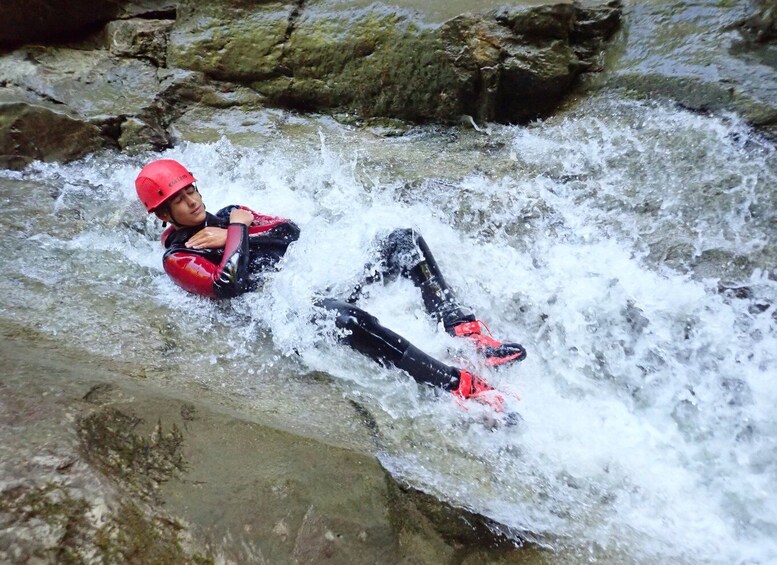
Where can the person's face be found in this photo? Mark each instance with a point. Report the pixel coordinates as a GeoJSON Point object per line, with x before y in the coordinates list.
{"type": "Point", "coordinates": [185, 208]}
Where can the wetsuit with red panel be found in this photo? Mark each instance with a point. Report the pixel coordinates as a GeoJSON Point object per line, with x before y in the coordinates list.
{"type": "Point", "coordinates": [235, 269]}
{"type": "Point", "coordinates": [251, 251]}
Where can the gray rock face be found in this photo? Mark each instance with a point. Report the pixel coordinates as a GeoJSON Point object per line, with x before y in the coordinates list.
{"type": "Point", "coordinates": [141, 38]}
{"type": "Point", "coordinates": [80, 100]}
{"type": "Point", "coordinates": [94, 84]}
{"type": "Point", "coordinates": [695, 54]}
{"type": "Point", "coordinates": [763, 22]}
{"type": "Point", "coordinates": [124, 86]}
{"type": "Point", "coordinates": [32, 127]}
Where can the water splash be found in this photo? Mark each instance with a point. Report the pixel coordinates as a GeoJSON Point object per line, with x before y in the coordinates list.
{"type": "Point", "coordinates": [629, 246]}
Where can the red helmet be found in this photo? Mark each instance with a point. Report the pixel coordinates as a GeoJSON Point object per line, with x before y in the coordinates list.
{"type": "Point", "coordinates": [159, 180]}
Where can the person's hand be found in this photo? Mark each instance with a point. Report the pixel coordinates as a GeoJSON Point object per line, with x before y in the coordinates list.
{"type": "Point", "coordinates": [240, 216]}
{"type": "Point", "coordinates": [208, 238]}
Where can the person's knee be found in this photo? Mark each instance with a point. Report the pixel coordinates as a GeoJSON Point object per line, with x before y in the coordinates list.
{"type": "Point", "coordinates": [401, 237]}
{"type": "Point", "coordinates": [402, 251]}
{"type": "Point", "coordinates": [355, 318]}
{"type": "Point", "coordinates": [347, 316]}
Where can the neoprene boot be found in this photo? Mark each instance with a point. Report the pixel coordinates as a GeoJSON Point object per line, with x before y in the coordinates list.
{"type": "Point", "coordinates": [495, 352]}
{"type": "Point", "coordinates": [474, 388]}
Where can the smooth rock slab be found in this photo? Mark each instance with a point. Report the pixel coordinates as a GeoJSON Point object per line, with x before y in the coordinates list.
{"type": "Point", "coordinates": [99, 466]}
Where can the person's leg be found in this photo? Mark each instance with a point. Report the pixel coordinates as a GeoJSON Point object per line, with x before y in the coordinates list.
{"type": "Point", "coordinates": [365, 334]}
{"type": "Point", "coordinates": [405, 253]}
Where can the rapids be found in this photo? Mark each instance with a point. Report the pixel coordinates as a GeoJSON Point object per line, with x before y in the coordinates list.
{"type": "Point", "coordinates": [630, 246]}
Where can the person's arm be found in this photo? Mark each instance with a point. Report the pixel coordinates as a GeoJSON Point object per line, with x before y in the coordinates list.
{"type": "Point", "coordinates": [262, 223]}
{"type": "Point", "coordinates": [197, 274]}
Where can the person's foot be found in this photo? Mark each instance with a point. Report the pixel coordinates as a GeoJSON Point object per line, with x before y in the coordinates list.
{"type": "Point", "coordinates": [495, 352]}
{"type": "Point", "coordinates": [474, 388]}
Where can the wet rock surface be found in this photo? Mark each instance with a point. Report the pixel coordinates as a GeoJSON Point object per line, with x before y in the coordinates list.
{"type": "Point", "coordinates": [508, 65]}
{"type": "Point", "coordinates": [95, 90]}
{"type": "Point", "coordinates": [701, 55]}
{"type": "Point", "coordinates": [33, 127]}
{"type": "Point", "coordinates": [762, 23]}
{"type": "Point", "coordinates": [131, 69]}
{"type": "Point", "coordinates": [45, 21]}
{"type": "Point", "coordinates": [98, 466]}
{"type": "Point", "coordinates": [139, 37]}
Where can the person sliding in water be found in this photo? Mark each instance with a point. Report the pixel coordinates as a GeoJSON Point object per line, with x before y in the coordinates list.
{"type": "Point", "coordinates": [223, 255]}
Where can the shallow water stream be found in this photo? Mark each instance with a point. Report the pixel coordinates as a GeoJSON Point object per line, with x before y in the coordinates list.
{"type": "Point", "coordinates": [629, 246]}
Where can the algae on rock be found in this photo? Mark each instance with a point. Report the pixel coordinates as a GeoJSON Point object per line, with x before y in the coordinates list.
{"type": "Point", "coordinates": [509, 65]}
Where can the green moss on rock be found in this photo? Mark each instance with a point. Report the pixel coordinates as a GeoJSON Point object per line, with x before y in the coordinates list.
{"type": "Point", "coordinates": [68, 530]}
{"type": "Point", "coordinates": [508, 65]}
{"type": "Point", "coordinates": [109, 439]}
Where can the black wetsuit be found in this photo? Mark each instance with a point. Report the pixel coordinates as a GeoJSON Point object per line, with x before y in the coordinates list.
{"type": "Point", "coordinates": [251, 251]}
{"type": "Point", "coordinates": [402, 253]}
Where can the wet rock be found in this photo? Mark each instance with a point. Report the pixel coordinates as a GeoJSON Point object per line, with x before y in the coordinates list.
{"type": "Point", "coordinates": [734, 290]}
{"type": "Point", "coordinates": [94, 84]}
{"type": "Point", "coordinates": [384, 127]}
{"type": "Point", "coordinates": [103, 393]}
{"type": "Point", "coordinates": [695, 54]}
{"type": "Point", "coordinates": [138, 136]}
{"type": "Point", "coordinates": [375, 61]}
{"type": "Point", "coordinates": [100, 97]}
{"type": "Point", "coordinates": [416, 511]}
{"type": "Point", "coordinates": [139, 38]}
{"type": "Point", "coordinates": [59, 104]}
{"type": "Point", "coordinates": [762, 24]}
{"type": "Point", "coordinates": [105, 469]}
{"type": "Point", "coordinates": [760, 308]}
{"type": "Point", "coordinates": [27, 21]}
{"type": "Point", "coordinates": [141, 462]}
{"type": "Point", "coordinates": [33, 127]}
{"type": "Point", "coordinates": [57, 524]}
{"type": "Point", "coordinates": [508, 65]}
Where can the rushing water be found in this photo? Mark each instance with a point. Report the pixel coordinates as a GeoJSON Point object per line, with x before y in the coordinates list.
{"type": "Point", "coordinates": [630, 247]}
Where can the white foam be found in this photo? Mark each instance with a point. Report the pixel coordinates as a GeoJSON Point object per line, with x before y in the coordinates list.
{"type": "Point", "coordinates": [648, 396]}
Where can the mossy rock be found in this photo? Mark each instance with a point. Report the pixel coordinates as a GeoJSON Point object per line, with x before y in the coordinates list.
{"type": "Point", "coordinates": [139, 37]}
{"type": "Point", "coordinates": [68, 529]}
{"type": "Point", "coordinates": [509, 65]}
{"type": "Point", "coordinates": [110, 440]}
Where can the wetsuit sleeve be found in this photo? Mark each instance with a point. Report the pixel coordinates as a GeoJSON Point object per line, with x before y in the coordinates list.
{"type": "Point", "coordinates": [263, 219]}
{"type": "Point", "coordinates": [197, 274]}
